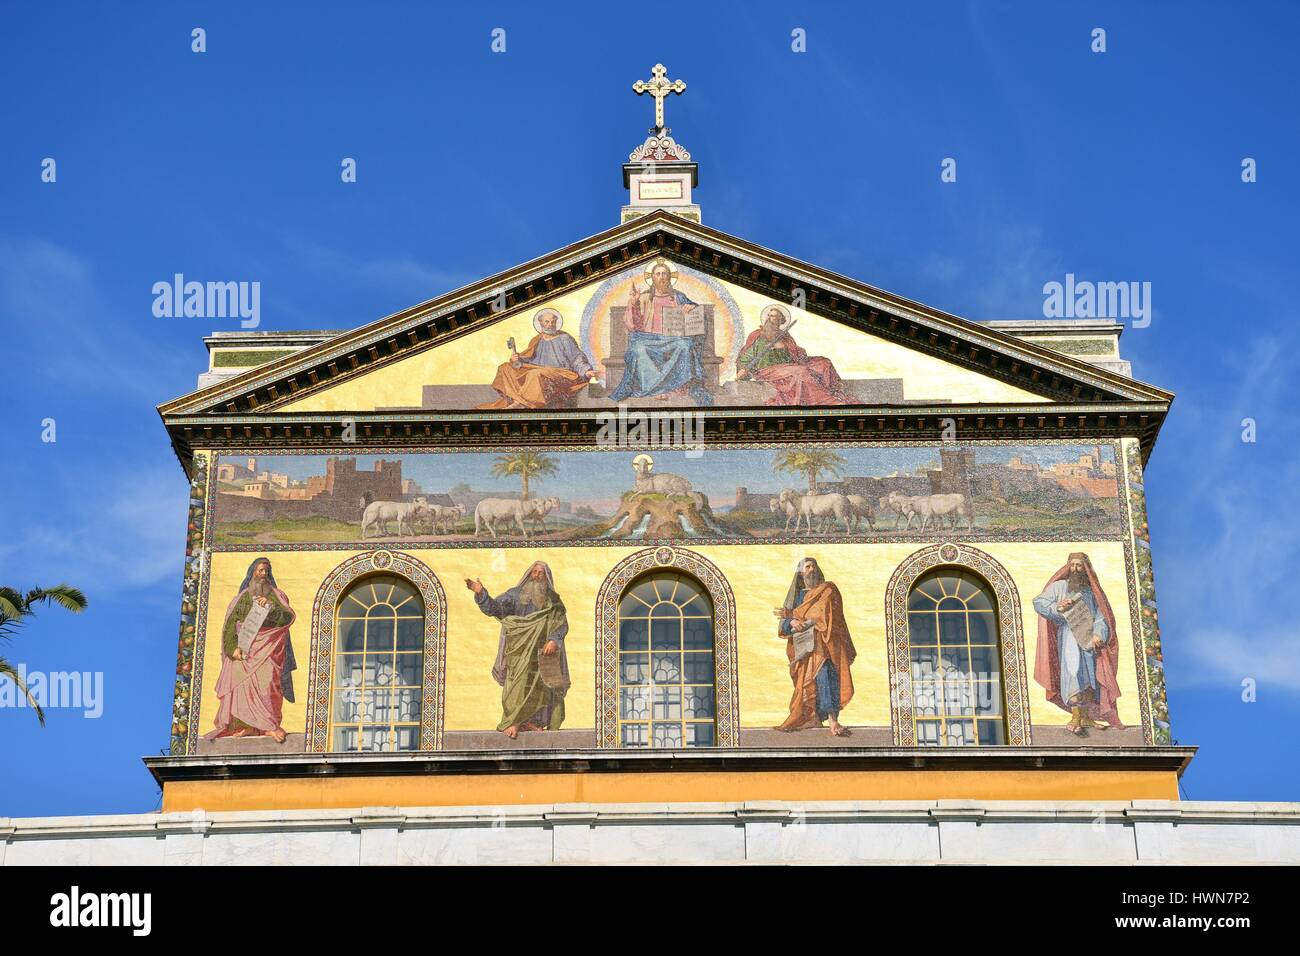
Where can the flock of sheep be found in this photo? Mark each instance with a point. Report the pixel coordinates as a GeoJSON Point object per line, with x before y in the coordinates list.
{"type": "Point", "coordinates": [834, 508]}
{"type": "Point", "coordinates": [489, 514]}
{"type": "Point", "coordinates": [829, 509]}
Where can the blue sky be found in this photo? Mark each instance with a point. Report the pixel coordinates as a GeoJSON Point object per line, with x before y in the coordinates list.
{"type": "Point", "coordinates": [1124, 165]}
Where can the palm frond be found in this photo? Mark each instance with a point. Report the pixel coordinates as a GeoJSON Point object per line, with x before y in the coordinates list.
{"type": "Point", "coordinates": [8, 670]}
{"type": "Point", "coordinates": [64, 595]}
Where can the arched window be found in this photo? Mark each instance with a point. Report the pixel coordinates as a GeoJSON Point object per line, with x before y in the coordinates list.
{"type": "Point", "coordinates": [956, 667]}
{"type": "Point", "coordinates": [376, 680]}
{"type": "Point", "coordinates": [666, 694]}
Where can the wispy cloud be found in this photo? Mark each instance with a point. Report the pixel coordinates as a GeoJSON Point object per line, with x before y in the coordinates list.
{"type": "Point", "coordinates": [121, 530]}
{"type": "Point", "coordinates": [49, 295]}
{"type": "Point", "coordinates": [1234, 495]}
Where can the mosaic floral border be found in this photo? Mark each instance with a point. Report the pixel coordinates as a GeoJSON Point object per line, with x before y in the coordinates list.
{"type": "Point", "coordinates": [322, 642]}
{"type": "Point", "coordinates": [1015, 687]}
{"type": "Point", "coordinates": [1147, 613]}
{"type": "Point", "coordinates": [726, 679]}
{"type": "Point", "coordinates": [189, 665]}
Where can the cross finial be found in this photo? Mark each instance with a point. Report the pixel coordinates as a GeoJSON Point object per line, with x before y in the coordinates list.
{"type": "Point", "coordinates": [659, 86]}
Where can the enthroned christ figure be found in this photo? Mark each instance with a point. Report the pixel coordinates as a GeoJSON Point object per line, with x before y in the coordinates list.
{"type": "Point", "coordinates": [548, 373]}
{"type": "Point", "coordinates": [257, 661]}
{"type": "Point", "coordinates": [658, 364]}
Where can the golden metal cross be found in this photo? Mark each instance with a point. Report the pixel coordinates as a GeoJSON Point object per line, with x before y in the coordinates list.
{"type": "Point", "coordinates": [659, 86]}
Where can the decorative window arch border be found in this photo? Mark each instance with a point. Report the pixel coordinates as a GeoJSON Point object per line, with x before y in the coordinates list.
{"type": "Point", "coordinates": [1011, 644]}
{"type": "Point", "coordinates": [725, 677]}
{"type": "Point", "coordinates": [323, 612]}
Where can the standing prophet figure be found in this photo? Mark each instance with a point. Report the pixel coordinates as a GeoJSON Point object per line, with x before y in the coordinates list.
{"type": "Point", "coordinates": [1078, 654]}
{"type": "Point", "coordinates": [819, 648]}
{"type": "Point", "coordinates": [257, 665]}
{"type": "Point", "coordinates": [531, 665]}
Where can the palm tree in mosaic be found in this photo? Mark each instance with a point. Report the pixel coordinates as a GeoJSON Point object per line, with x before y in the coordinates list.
{"type": "Point", "coordinates": [15, 608]}
{"type": "Point", "coordinates": [525, 464]}
{"type": "Point", "coordinates": [810, 463]}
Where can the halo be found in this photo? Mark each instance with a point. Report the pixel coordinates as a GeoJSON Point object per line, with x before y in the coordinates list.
{"type": "Point", "coordinates": [537, 318]}
{"type": "Point", "coordinates": [785, 314]}
{"type": "Point", "coordinates": [649, 272]}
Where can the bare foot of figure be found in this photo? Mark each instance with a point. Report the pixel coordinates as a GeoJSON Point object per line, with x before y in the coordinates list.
{"type": "Point", "coordinates": [277, 734]}
{"type": "Point", "coordinates": [512, 731]}
{"type": "Point", "coordinates": [839, 730]}
{"type": "Point", "coordinates": [242, 732]}
{"type": "Point", "coordinates": [529, 726]}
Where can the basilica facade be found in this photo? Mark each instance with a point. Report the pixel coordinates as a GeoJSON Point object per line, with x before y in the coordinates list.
{"type": "Point", "coordinates": [665, 515]}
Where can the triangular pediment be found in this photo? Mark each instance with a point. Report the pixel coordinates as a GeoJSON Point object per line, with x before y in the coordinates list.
{"type": "Point", "coordinates": [697, 343]}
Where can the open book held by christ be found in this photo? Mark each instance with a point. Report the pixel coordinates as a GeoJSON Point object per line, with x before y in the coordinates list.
{"type": "Point", "coordinates": [678, 321]}
{"type": "Point", "coordinates": [251, 624]}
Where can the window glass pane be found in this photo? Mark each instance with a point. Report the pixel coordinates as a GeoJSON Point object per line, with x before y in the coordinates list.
{"type": "Point", "coordinates": [952, 628]}
{"type": "Point", "coordinates": [408, 738]}
{"type": "Point", "coordinates": [347, 706]}
{"type": "Point", "coordinates": [667, 703]}
{"type": "Point", "coordinates": [636, 735]}
{"type": "Point", "coordinates": [697, 702]}
{"type": "Point", "coordinates": [948, 583]}
{"type": "Point", "coordinates": [665, 635]}
{"type": "Point", "coordinates": [347, 670]}
{"type": "Point", "coordinates": [698, 634]}
{"type": "Point", "coordinates": [410, 669]}
{"type": "Point", "coordinates": [991, 732]}
{"type": "Point", "coordinates": [379, 632]}
{"type": "Point", "coordinates": [988, 699]}
{"type": "Point", "coordinates": [699, 735]}
{"type": "Point", "coordinates": [352, 632]}
{"type": "Point", "coordinates": [697, 668]}
{"type": "Point", "coordinates": [630, 606]}
{"type": "Point", "coordinates": [982, 630]}
{"type": "Point", "coordinates": [375, 738]}
{"type": "Point", "coordinates": [385, 670]}
{"type": "Point", "coordinates": [667, 668]}
{"type": "Point", "coordinates": [927, 733]}
{"type": "Point", "coordinates": [634, 703]}
{"type": "Point", "coordinates": [346, 739]}
{"type": "Point", "coordinates": [924, 663]}
{"type": "Point", "coordinates": [633, 635]}
{"type": "Point", "coordinates": [647, 593]}
{"type": "Point", "coordinates": [410, 634]}
{"type": "Point", "coordinates": [407, 705]}
{"type": "Point", "coordinates": [957, 698]}
{"type": "Point", "coordinates": [920, 601]}
{"type": "Point", "coordinates": [380, 706]}
{"type": "Point", "coordinates": [921, 629]}
{"type": "Point", "coordinates": [666, 610]}
{"type": "Point", "coordinates": [925, 698]}
{"type": "Point", "coordinates": [634, 668]}
{"type": "Point", "coordinates": [697, 607]}
{"type": "Point", "coordinates": [984, 663]}
{"type": "Point", "coordinates": [931, 587]}
{"type": "Point", "coordinates": [979, 601]}
{"type": "Point", "coordinates": [955, 662]}
{"type": "Point", "coordinates": [961, 733]}
{"type": "Point", "coordinates": [667, 735]}
{"type": "Point", "coordinates": [952, 604]}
